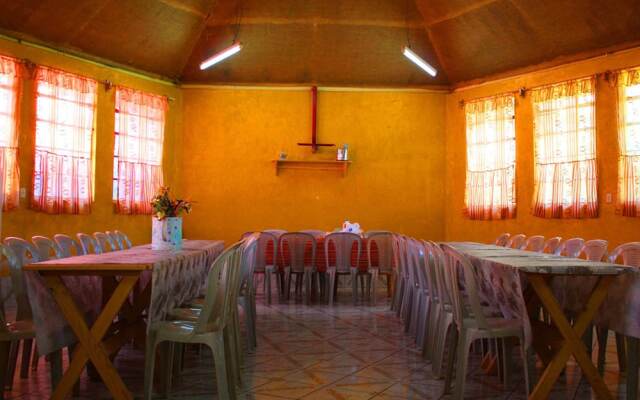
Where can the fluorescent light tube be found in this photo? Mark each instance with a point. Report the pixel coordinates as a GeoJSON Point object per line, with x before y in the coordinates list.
{"type": "Point", "coordinates": [419, 61]}
{"type": "Point", "coordinates": [226, 53]}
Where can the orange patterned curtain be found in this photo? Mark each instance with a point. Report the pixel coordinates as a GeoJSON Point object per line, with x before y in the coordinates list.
{"type": "Point", "coordinates": [629, 142]}
{"type": "Point", "coordinates": [10, 81]}
{"type": "Point", "coordinates": [139, 134]}
{"type": "Point", "coordinates": [65, 111]}
{"type": "Point", "coordinates": [566, 184]}
{"type": "Point", "coordinates": [491, 158]}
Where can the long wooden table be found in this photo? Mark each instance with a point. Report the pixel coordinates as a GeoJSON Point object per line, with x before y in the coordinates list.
{"type": "Point", "coordinates": [539, 269]}
{"type": "Point", "coordinates": [122, 316]}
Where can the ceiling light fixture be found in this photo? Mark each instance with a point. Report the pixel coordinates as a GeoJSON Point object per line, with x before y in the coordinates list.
{"type": "Point", "coordinates": [419, 61]}
{"type": "Point", "coordinates": [226, 53]}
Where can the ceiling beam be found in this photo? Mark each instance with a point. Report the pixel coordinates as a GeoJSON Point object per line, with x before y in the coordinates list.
{"type": "Point", "coordinates": [316, 21]}
{"type": "Point", "coordinates": [459, 12]}
{"type": "Point", "coordinates": [180, 5]}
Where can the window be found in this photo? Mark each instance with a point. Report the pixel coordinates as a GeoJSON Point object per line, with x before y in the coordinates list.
{"type": "Point", "coordinates": [65, 110]}
{"type": "Point", "coordinates": [10, 78]}
{"type": "Point", "coordinates": [565, 150]}
{"type": "Point", "coordinates": [491, 158]}
{"type": "Point", "coordinates": [629, 142]}
{"type": "Point", "coordinates": [137, 165]}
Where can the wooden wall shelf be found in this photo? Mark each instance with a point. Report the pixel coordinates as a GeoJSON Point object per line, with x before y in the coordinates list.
{"type": "Point", "coordinates": [322, 165]}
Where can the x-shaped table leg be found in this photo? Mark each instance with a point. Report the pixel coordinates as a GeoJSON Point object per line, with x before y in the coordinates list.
{"type": "Point", "coordinates": [573, 344]}
{"type": "Point", "coordinates": [91, 347]}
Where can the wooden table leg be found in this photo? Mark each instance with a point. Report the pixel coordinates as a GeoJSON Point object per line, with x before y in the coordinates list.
{"type": "Point", "coordinates": [573, 344]}
{"type": "Point", "coordinates": [90, 345]}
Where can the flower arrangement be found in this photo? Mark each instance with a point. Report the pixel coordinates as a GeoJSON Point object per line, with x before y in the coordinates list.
{"type": "Point", "coordinates": [165, 207]}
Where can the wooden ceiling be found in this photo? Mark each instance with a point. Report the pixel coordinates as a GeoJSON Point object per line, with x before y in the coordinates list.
{"type": "Point", "coordinates": [329, 42]}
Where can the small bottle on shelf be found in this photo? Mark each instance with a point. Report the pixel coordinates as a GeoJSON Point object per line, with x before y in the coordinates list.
{"type": "Point", "coordinates": [345, 152]}
{"type": "Point", "coordinates": [339, 155]}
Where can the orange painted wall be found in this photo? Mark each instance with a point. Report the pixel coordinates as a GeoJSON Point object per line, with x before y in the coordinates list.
{"type": "Point", "coordinates": [615, 228]}
{"type": "Point", "coordinates": [24, 222]}
{"type": "Point", "coordinates": [396, 141]}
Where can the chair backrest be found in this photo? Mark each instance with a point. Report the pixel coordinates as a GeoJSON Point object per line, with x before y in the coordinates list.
{"type": "Point", "coordinates": [298, 244]}
{"type": "Point", "coordinates": [25, 253]}
{"type": "Point", "coordinates": [383, 244]}
{"type": "Point", "coordinates": [264, 241]}
{"type": "Point", "coordinates": [89, 244]}
{"type": "Point", "coordinates": [458, 265]}
{"type": "Point", "coordinates": [106, 243]}
{"type": "Point", "coordinates": [13, 286]}
{"type": "Point", "coordinates": [439, 272]}
{"type": "Point", "coordinates": [417, 252]}
{"type": "Point", "coordinates": [124, 239]}
{"type": "Point", "coordinates": [68, 246]}
{"type": "Point", "coordinates": [246, 234]}
{"type": "Point", "coordinates": [115, 239]}
{"type": "Point", "coordinates": [503, 239]}
{"type": "Point", "coordinates": [594, 250]}
{"type": "Point", "coordinates": [516, 241]}
{"type": "Point", "coordinates": [399, 254]}
{"type": "Point", "coordinates": [629, 252]}
{"type": "Point", "coordinates": [248, 262]}
{"type": "Point", "coordinates": [222, 284]}
{"type": "Point", "coordinates": [570, 247]}
{"type": "Point", "coordinates": [368, 234]}
{"type": "Point", "coordinates": [429, 262]}
{"type": "Point", "coordinates": [276, 232]}
{"type": "Point", "coordinates": [317, 233]}
{"type": "Point", "coordinates": [343, 244]}
{"type": "Point", "coordinates": [551, 245]}
{"type": "Point", "coordinates": [534, 243]}
{"type": "Point", "coordinates": [47, 248]}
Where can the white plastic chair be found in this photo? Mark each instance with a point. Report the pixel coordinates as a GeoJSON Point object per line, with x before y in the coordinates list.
{"type": "Point", "coordinates": [422, 299]}
{"type": "Point", "coordinates": [534, 243]}
{"type": "Point", "coordinates": [400, 277]}
{"type": "Point", "coordinates": [247, 295]}
{"type": "Point", "coordinates": [594, 250]}
{"type": "Point", "coordinates": [268, 270]}
{"type": "Point", "coordinates": [472, 324]}
{"type": "Point", "coordinates": [343, 243]}
{"type": "Point", "coordinates": [89, 244]}
{"type": "Point", "coordinates": [503, 239]}
{"type": "Point", "coordinates": [214, 326]}
{"type": "Point", "coordinates": [47, 248]}
{"type": "Point", "coordinates": [629, 254]}
{"type": "Point", "coordinates": [368, 234]}
{"type": "Point", "coordinates": [443, 311]}
{"type": "Point", "coordinates": [124, 239]}
{"type": "Point", "coordinates": [551, 245]}
{"type": "Point", "coordinates": [17, 329]}
{"type": "Point", "coordinates": [105, 241]}
{"type": "Point", "coordinates": [516, 241]}
{"type": "Point", "coordinates": [276, 232]}
{"type": "Point", "coordinates": [68, 246]}
{"type": "Point", "coordinates": [298, 244]}
{"type": "Point", "coordinates": [383, 243]}
{"type": "Point", "coordinates": [570, 247]}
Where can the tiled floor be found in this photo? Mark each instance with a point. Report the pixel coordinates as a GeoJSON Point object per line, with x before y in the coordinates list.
{"type": "Point", "coordinates": [321, 352]}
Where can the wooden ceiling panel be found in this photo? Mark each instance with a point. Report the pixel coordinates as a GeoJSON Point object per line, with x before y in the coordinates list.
{"type": "Point", "coordinates": [327, 41]}
{"type": "Point", "coordinates": [486, 37]}
{"type": "Point", "coordinates": [155, 36]}
{"type": "Point", "coordinates": [326, 54]}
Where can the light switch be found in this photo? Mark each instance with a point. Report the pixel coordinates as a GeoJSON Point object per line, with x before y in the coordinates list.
{"type": "Point", "coordinates": [609, 198]}
{"type": "Point", "coordinates": [23, 193]}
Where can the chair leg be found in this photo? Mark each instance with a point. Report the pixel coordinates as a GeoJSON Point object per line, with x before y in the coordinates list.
{"type": "Point", "coordinates": [14, 349]}
{"type": "Point", "coordinates": [632, 367]}
{"type": "Point", "coordinates": [27, 345]}
{"type": "Point", "coordinates": [354, 285]}
{"type": "Point", "coordinates": [55, 359]}
{"type": "Point", "coordinates": [527, 367]}
{"type": "Point", "coordinates": [453, 340]}
{"type": "Point", "coordinates": [35, 358]}
{"type": "Point", "coordinates": [219, 357]}
{"type": "Point", "coordinates": [267, 283]}
{"type": "Point", "coordinates": [331, 286]}
{"type": "Point", "coordinates": [374, 285]}
{"type": "Point", "coordinates": [4, 364]}
{"type": "Point", "coordinates": [461, 365]}
{"type": "Point", "coordinates": [149, 366]}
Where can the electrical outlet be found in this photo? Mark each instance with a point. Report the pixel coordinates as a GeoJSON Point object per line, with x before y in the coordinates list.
{"type": "Point", "coordinates": [23, 193]}
{"type": "Point", "coordinates": [609, 198]}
